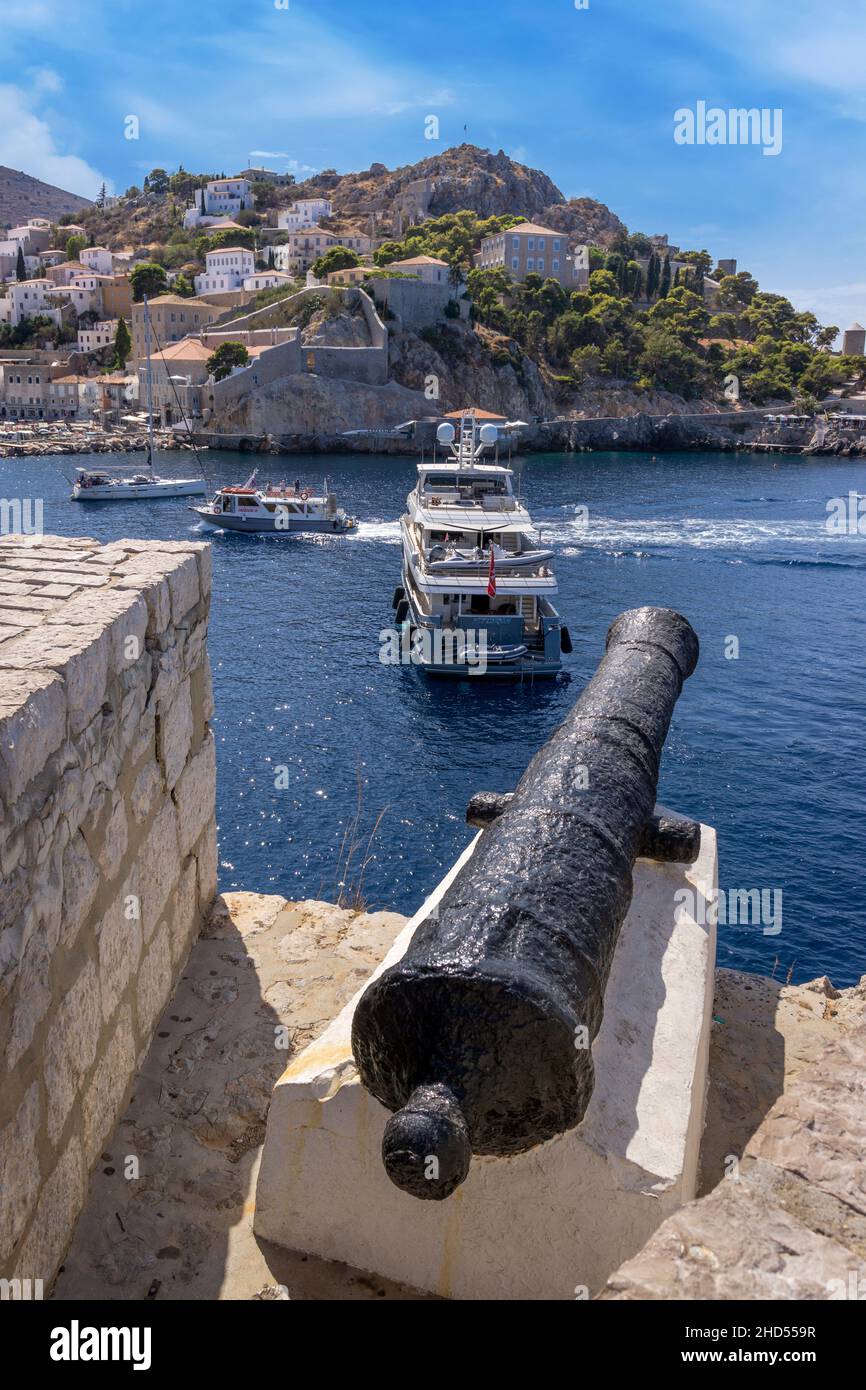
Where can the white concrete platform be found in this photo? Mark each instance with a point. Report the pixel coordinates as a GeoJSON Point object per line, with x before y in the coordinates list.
{"type": "Point", "coordinates": [549, 1224]}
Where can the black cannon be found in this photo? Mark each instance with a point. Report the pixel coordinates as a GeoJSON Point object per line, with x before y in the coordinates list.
{"type": "Point", "coordinates": [478, 1039]}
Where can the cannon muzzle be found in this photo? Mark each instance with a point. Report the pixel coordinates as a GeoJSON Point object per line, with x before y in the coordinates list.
{"type": "Point", "coordinates": [479, 1038]}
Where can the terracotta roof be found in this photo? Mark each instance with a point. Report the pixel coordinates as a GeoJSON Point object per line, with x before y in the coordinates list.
{"type": "Point", "coordinates": [419, 260]}
{"type": "Point", "coordinates": [529, 229]}
{"type": "Point", "coordinates": [221, 250]}
{"type": "Point", "coordinates": [477, 412]}
{"type": "Point", "coordinates": [188, 349]}
{"type": "Point", "coordinates": [178, 299]}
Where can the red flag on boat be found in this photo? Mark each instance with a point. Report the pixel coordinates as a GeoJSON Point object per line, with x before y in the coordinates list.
{"type": "Point", "coordinates": [491, 578]}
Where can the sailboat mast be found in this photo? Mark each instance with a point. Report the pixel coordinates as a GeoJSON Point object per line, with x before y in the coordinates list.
{"type": "Point", "coordinates": [149, 383]}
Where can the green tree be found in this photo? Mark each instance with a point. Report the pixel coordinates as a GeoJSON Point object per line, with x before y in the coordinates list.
{"type": "Point", "coordinates": [147, 278]}
{"type": "Point", "coordinates": [122, 344]}
{"type": "Point", "coordinates": [265, 194]}
{"type": "Point", "coordinates": [653, 274]}
{"type": "Point", "coordinates": [737, 291]}
{"type": "Point", "coordinates": [602, 282]}
{"type": "Point", "coordinates": [336, 258]}
{"type": "Point", "coordinates": [228, 355]}
{"type": "Point", "coordinates": [74, 246]}
{"type": "Point", "coordinates": [157, 182]}
{"type": "Point", "coordinates": [20, 267]}
{"type": "Point", "coordinates": [701, 260]}
{"type": "Point", "coordinates": [665, 281]}
{"type": "Point", "coordinates": [668, 363]}
{"type": "Point", "coordinates": [183, 286]}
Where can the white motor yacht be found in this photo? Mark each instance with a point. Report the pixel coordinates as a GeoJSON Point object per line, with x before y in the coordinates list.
{"type": "Point", "coordinates": [478, 585]}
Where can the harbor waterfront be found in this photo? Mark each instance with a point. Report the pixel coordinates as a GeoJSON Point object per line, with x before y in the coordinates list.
{"type": "Point", "coordinates": [317, 737]}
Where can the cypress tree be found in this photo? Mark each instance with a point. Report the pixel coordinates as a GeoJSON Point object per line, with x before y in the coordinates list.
{"type": "Point", "coordinates": [652, 276]}
{"type": "Point", "coordinates": [122, 343]}
{"type": "Point", "coordinates": [20, 267]}
{"type": "Point", "coordinates": [666, 278]}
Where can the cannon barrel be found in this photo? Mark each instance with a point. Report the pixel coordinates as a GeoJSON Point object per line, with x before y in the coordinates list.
{"type": "Point", "coordinates": [478, 1038]}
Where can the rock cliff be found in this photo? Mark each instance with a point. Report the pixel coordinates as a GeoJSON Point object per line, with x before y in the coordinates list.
{"type": "Point", "coordinates": [462, 177]}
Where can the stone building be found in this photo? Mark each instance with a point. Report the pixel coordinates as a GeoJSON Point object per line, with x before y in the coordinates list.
{"type": "Point", "coordinates": [529, 249]}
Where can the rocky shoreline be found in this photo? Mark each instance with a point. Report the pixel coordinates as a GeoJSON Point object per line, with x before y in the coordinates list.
{"type": "Point", "coordinates": [745, 431]}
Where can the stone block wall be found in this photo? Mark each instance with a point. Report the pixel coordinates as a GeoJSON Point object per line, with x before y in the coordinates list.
{"type": "Point", "coordinates": [107, 851]}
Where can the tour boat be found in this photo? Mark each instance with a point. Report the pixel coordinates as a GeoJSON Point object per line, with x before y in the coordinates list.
{"type": "Point", "coordinates": [477, 590]}
{"type": "Point", "coordinates": [277, 510]}
{"type": "Point", "coordinates": [101, 485]}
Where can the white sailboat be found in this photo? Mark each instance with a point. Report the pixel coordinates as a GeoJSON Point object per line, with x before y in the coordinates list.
{"type": "Point", "coordinates": [103, 485]}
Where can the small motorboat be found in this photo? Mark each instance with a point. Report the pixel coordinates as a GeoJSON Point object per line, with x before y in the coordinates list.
{"type": "Point", "coordinates": [279, 510]}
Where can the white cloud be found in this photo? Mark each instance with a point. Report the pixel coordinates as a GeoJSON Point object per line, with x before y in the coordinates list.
{"type": "Point", "coordinates": [818, 47]}
{"type": "Point", "coordinates": [26, 143]}
{"type": "Point", "coordinates": [45, 80]}
{"type": "Point", "coordinates": [443, 97]}
{"type": "Point", "coordinates": [839, 304]}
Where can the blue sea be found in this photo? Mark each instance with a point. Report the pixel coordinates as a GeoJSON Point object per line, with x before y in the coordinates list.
{"type": "Point", "coordinates": [766, 745]}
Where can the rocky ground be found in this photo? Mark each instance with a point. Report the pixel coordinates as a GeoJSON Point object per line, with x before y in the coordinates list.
{"type": "Point", "coordinates": [784, 1215]}
{"type": "Point", "coordinates": [170, 1208]}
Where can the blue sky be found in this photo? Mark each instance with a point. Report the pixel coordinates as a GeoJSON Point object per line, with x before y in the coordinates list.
{"type": "Point", "coordinates": [587, 95]}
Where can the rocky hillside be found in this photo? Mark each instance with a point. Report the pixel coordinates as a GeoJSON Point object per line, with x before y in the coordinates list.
{"type": "Point", "coordinates": [462, 177]}
{"type": "Point", "coordinates": [22, 196]}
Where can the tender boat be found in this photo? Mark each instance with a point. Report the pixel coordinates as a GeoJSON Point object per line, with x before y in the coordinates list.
{"type": "Point", "coordinates": [101, 485]}
{"type": "Point", "coordinates": [477, 590]}
{"type": "Point", "coordinates": [277, 510]}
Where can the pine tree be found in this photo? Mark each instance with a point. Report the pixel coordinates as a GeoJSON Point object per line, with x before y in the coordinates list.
{"type": "Point", "coordinates": [665, 285]}
{"type": "Point", "coordinates": [100, 201]}
{"type": "Point", "coordinates": [20, 267]}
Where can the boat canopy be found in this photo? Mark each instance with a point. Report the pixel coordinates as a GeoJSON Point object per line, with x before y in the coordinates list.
{"type": "Point", "coordinates": [462, 523]}
{"type": "Point", "coordinates": [453, 465]}
{"type": "Point", "coordinates": [477, 584]}
{"type": "Point", "coordinates": [473, 518]}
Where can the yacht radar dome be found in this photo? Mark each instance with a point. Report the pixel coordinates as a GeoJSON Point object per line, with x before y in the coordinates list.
{"type": "Point", "coordinates": [488, 434]}
{"type": "Point", "coordinates": [445, 433]}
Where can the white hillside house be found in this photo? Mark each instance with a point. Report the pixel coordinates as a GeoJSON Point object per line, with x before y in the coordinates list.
{"type": "Point", "coordinates": [100, 335]}
{"type": "Point", "coordinates": [97, 258]}
{"type": "Point", "coordinates": [306, 212]}
{"type": "Point", "coordinates": [225, 269]}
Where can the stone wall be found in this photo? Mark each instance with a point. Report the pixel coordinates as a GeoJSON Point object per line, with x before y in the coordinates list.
{"type": "Point", "coordinates": [107, 851]}
{"type": "Point", "coordinates": [417, 303]}
{"type": "Point", "coordinates": [284, 359]}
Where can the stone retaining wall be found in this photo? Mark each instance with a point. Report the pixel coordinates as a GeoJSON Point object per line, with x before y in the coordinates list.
{"type": "Point", "coordinates": [107, 851]}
